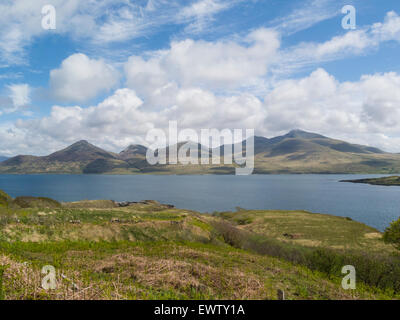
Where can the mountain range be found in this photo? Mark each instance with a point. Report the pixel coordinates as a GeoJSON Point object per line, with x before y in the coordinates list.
{"type": "Point", "coordinates": [295, 152]}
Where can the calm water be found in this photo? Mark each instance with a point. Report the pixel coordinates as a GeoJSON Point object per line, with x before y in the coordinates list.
{"type": "Point", "coordinates": [376, 206]}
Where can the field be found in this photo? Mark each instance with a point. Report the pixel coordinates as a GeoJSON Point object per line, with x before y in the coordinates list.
{"type": "Point", "coordinates": [148, 250]}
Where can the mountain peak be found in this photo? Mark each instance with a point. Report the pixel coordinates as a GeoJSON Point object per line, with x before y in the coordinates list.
{"type": "Point", "coordinates": [132, 151]}
{"type": "Point", "coordinates": [80, 151]}
{"type": "Point", "coordinates": [298, 133]}
{"type": "Point", "coordinates": [81, 143]}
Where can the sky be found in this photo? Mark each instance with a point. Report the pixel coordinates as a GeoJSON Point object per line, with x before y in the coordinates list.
{"type": "Point", "coordinates": [111, 70]}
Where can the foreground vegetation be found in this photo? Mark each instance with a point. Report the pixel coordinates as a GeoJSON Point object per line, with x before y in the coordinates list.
{"type": "Point", "coordinates": [146, 250]}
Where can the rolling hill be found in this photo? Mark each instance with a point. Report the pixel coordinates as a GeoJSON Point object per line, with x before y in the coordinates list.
{"type": "Point", "coordinates": [295, 152]}
{"type": "Point", "coordinates": [2, 158]}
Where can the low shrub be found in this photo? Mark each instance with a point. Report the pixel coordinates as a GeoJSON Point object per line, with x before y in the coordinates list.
{"type": "Point", "coordinates": [5, 199]}
{"type": "Point", "coordinates": [380, 271]}
{"type": "Point", "coordinates": [39, 202]}
{"type": "Point", "coordinates": [392, 234]}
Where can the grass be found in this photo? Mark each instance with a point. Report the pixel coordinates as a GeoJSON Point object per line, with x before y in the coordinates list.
{"type": "Point", "coordinates": [377, 264]}
{"type": "Point", "coordinates": [173, 270]}
{"type": "Point", "coordinates": [36, 202]}
{"type": "Point", "coordinates": [310, 229]}
{"type": "Point", "coordinates": [153, 251]}
{"type": "Point", "coordinates": [5, 199]}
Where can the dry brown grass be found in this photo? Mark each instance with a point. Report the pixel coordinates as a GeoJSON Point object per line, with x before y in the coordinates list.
{"type": "Point", "coordinates": [22, 281]}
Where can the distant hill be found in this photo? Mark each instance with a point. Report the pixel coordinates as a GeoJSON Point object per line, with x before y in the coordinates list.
{"type": "Point", "coordinates": [133, 151]}
{"type": "Point", "coordinates": [80, 151]}
{"type": "Point", "coordinates": [2, 158]}
{"type": "Point", "coordinates": [295, 152]}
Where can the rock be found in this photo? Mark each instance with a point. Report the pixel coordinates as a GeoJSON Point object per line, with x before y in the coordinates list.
{"type": "Point", "coordinates": [125, 203]}
{"type": "Point", "coordinates": [288, 235]}
{"type": "Point", "coordinates": [150, 202]}
{"type": "Point", "coordinates": [75, 221]}
{"type": "Point", "coordinates": [281, 294]}
{"type": "Point", "coordinates": [108, 269]}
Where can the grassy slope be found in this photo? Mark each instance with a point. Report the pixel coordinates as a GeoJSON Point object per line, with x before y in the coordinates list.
{"type": "Point", "coordinates": [310, 229]}
{"type": "Point", "coordinates": [151, 251]}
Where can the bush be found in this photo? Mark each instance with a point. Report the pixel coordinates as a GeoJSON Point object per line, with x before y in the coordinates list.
{"type": "Point", "coordinates": [392, 234]}
{"type": "Point", "coordinates": [231, 235]}
{"type": "Point", "coordinates": [5, 199]}
{"type": "Point", "coordinates": [33, 202]}
{"type": "Point", "coordinates": [375, 270]}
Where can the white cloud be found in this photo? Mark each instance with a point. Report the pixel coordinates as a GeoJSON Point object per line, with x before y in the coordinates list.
{"type": "Point", "coordinates": [20, 22]}
{"type": "Point", "coordinates": [220, 65]}
{"type": "Point", "coordinates": [352, 43]}
{"type": "Point", "coordinates": [364, 111]}
{"type": "Point", "coordinates": [18, 97]}
{"type": "Point", "coordinates": [80, 78]}
{"type": "Point", "coordinates": [114, 123]}
{"type": "Point", "coordinates": [123, 119]}
{"type": "Point", "coordinates": [20, 94]}
{"type": "Point", "coordinates": [310, 13]}
{"type": "Point", "coordinates": [94, 23]}
{"type": "Point", "coordinates": [203, 8]}
{"type": "Point", "coordinates": [204, 84]}
{"type": "Point", "coordinates": [201, 13]}
{"type": "Point", "coordinates": [389, 29]}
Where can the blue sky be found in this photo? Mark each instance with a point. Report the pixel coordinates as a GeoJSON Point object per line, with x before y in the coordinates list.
{"type": "Point", "coordinates": [114, 69]}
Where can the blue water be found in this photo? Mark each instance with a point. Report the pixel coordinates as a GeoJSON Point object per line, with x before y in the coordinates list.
{"type": "Point", "coordinates": [376, 206]}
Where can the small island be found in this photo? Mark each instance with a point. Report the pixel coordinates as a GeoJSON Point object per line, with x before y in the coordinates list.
{"type": "Point", "coordinates": [384, 181]}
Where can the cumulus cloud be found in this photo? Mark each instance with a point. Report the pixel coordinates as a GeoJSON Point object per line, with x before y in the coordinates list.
{"type": "Point", "coordinates": [223, 65]}
{"type": "Point", "coordinates": [123, 119]}
{"type": "Point", "coordinates": [210, 84]}
{"type": "Point", "coordinates": [80, 78]}
{"type": "Point", "coordinates": [364, 111]}
{"type": "Point", "coordinates": [114, 123]}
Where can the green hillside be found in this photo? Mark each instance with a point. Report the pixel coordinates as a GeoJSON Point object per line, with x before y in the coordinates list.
{"type": "Point", "coordinates": [147, 250]}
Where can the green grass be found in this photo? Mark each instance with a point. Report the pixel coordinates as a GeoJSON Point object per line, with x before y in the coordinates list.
{"type": "Point", "coordinates": [179, 270]}
{"type": "Point", "coordinates": [310, 229]}
{"type": "Point", "coordinates": [154, 251]}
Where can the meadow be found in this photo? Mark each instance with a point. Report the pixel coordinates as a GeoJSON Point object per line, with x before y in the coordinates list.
{"type": "Point", "coordinates": [148, 250]}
